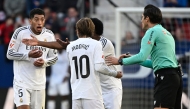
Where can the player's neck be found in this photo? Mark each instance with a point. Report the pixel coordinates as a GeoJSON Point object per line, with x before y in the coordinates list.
{"type": "Point", "coordinates": [152, 25]}
{"type": "Point", "coordinates": [83, 36]}
{"type": "Point", "coordinates": [96, 37]}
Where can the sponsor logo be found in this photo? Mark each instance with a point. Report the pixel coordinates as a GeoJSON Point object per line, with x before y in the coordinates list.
{"type": "Point", "coordinates": [164, 32]}
{"type": "Point", "coordinates": [36, 47]}
{"type": "Point", "coordinates": [11, 45]}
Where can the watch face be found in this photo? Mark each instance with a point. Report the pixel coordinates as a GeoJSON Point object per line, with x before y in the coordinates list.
{"type": "Point", "coordinates": [120, 61]}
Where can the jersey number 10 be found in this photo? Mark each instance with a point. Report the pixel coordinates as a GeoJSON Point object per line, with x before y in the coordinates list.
{"type": "Point", "coordinates": [81, 66]}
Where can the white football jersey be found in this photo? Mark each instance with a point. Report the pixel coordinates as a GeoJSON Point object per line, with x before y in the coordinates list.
{"type": "Point", "coordinates": [83, 54]}
{"type": "Point", "coordinates": [25, 73]}
{"type": "Point", "coordinates": [109, 82]}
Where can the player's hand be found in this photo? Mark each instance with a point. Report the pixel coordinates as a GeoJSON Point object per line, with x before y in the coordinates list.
{"type": "Point", "coordinates": [110, 60]}
{"type": "Point", "coordinates": [31, 42]}
{"type": "Point", "coordinates": [63, 43]}
{"type": "Point", "coordinates": [125, 55]}
{"type": "Point", "coordinates": [39, 62]}
{"type": "Point", "coordinates": [119, 74]}
{"type": "Point", "coordinates": [35, 53]}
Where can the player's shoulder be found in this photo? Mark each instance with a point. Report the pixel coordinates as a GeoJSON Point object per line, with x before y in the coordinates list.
{"type": "Point", "coordinates": [48, 31]}
{"type": "Point", "coordinates": [105, 42]}
{"type": "Point", "coordinates": [156, 29]}
{"type": "Point", "coordinates": [70, 45]}
{"type": "Point", "coordinates": [20, 30]}
{"type": "Point", "coordinates": [94, 42]}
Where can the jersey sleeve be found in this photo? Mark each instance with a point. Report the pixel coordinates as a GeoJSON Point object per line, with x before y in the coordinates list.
{"type": "Point", "coordinates": [146, 46]}
{"type": "Point", "coordinates": [104, 69]}
{"type": "Point", "coordinates": [108, 50]}
{"type": "Point", "coordinates": [12, 52]}
{"type": "Point", "coordinates": [51, 56]}
{"type": "Point", "coordinates": [98, 54]}
{"type": "Point", "coordinates": [147, 63]}
{"type": "Point", "coordinates": [99, 63]}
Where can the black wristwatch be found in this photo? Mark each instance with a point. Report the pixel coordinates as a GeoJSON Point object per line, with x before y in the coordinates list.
{"type": "Point", "coordinates": [120, 61]}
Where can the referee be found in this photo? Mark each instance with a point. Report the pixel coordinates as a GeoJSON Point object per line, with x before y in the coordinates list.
{"type": "Point", "coordinates": [160, 45]}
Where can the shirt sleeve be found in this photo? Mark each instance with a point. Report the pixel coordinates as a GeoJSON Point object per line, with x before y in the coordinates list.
{"type": "Point", "coordinates": [51, 57]}
{"type": "Point", "coordinates": [99, 62]}
{"type": "Point", "coordinates": [147, 63]}
{"type": "Point", "coordinates": [147, 44]}
{"type": "Point", "coordinates": [12, 52]}
{"type": "Point", "coordinates": [104, 69]}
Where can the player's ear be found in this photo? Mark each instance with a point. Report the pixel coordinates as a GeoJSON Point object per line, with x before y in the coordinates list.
{"type": "Point", "coordinates": [147, 19]}
{"type": "Point", "coordinates": [30, 21]}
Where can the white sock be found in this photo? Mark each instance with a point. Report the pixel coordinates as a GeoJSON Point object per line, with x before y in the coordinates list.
{"type": "Point", "coordinates": [51, 104]}
{"type": "Point", "coordinates": [65, 104]}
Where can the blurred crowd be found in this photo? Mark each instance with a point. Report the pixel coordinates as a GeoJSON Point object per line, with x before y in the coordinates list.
{"type": "Point", "coordinates": [169, 3]}
{"type": "Point", "coordinates": [61, 16]}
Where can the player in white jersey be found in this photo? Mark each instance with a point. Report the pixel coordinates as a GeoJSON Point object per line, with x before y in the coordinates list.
{"type": "Point", "coordinates": [59, 81]}
{"type": "Point", "coordinates": [30, 62]}
{"type": "Point", "coordinates": [86, 61]}
{"type": "Point", "coordinates": [111, 86]}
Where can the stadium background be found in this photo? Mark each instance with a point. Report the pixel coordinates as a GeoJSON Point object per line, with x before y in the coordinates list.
{"type": "Point", "coordinates": [137, 89]}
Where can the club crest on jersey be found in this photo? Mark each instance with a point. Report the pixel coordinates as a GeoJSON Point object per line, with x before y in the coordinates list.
{"type": "Point", "coordinates": [149, 42]}
{"type": "Point", "coordinates": [45, 40]}
{"type": "Point", "coordinates": [21, 100]}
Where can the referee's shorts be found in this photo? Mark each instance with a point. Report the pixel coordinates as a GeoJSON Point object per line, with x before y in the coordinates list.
{"type": "Point", "coordinates": [168, 88]}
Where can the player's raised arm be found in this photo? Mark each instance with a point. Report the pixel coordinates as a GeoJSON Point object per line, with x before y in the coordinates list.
{"type": "Point", "coordinates": [58, 44]}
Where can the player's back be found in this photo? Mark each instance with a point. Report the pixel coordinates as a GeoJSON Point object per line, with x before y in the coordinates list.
{"type": "Point", "coordinates": [109, 82]}
{"type": "Point", "coordinates": [83, 54]}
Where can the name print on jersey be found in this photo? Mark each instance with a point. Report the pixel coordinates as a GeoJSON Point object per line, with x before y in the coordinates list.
{"type": "Point", "coordinates": [43, 49]}
{"type": "Point", "coordinates": [80, 46]}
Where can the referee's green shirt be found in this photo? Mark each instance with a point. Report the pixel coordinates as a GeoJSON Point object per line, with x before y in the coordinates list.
{"type": "Point", "coordinates": [160, 45]}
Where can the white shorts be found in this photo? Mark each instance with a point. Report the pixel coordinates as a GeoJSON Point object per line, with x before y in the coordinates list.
{"type": "Point", "coordinates": [87, 104]}
{"type": "Point", "coordinates": [34, 98]}
{"type": "Point", "coordinates": [59, 89]}
{"type": "Point", "coordinates": [113, 99]}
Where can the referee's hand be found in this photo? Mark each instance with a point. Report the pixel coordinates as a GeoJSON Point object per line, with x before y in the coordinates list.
{"type": "Point", "coordinates": [126, 55]}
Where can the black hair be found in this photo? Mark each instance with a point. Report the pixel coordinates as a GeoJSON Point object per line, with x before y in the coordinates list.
{"type": "Point", "coordinates": [154, 13]}
{"type": "Point", "coordinates": [99, 27]}
{"type": "Point", "coordinates": [36, 11]}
